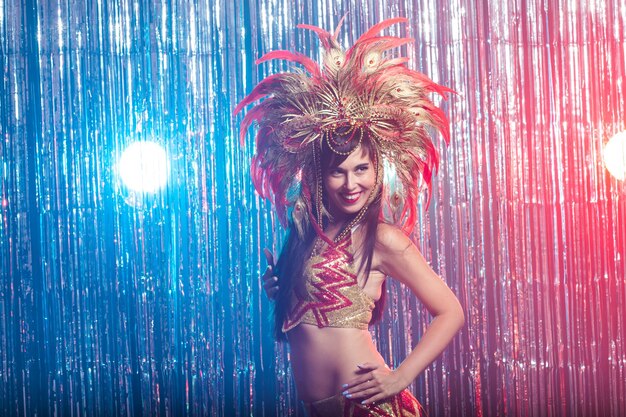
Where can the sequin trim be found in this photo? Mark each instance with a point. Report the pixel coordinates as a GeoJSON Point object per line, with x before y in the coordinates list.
{"type": "Point", "coordinates": [403, 404]}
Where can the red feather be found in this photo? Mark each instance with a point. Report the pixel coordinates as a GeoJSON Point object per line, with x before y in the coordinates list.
{"type": "Point", "coordinates": [336, 34]}
{"type": "Point", "coordinates": [376, 29]}
{"type": "Point", "coordinates": [310, 65]}
{"type": "Point", "coordinates": [325, 38]}
{"type": "Point", "coordinates": [263, 88]}
{"type": "Point", "coordinates": [328, 40]}
{"type": "Point", "coordinates": [256, 173]}
{"type": "Point", "coordinates": [256, 113]}
{"type": "Point", "coordinates": [380, 44]}
{"type": "Point", "coordinates": [419, 79]}
{"type": "Point", "coordinates": [440, 119]}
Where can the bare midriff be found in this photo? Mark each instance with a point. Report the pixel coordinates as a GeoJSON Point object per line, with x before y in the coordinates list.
{"type": "Point", "coordinates": [323, 359]}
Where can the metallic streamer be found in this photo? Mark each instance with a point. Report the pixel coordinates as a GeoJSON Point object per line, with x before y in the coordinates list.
{"type": "Point", "coordinates": [114, 302]}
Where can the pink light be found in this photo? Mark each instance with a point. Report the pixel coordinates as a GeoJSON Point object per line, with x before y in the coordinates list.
{"type": "Point", "coordinates": [614, 155]}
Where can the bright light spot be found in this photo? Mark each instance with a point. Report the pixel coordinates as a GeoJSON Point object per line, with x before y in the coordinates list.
{"type": "Point", "coordinates": [614, 155]}
{"type": "Point", "coordinates": [144, 167]}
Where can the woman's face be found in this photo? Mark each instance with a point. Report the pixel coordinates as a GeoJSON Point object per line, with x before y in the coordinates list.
{"type": "Point", "coordinates": [349, 185]}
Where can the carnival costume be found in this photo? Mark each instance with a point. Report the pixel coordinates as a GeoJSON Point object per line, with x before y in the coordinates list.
{"type": "Point", "coordinates": [332, 296]}
{"type": "Point", "coordinates": [358, 94]}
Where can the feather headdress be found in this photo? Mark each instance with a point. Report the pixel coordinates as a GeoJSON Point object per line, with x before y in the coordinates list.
{"type": "Point", "coordinates": [354, 93]}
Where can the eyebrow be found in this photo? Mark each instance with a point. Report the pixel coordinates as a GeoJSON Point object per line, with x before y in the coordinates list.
{"type": "Point", "coordinates": [363, 165]}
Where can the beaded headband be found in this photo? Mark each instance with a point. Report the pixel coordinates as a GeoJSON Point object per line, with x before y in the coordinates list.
{"type": "Point", "coordinates": [355, 93]}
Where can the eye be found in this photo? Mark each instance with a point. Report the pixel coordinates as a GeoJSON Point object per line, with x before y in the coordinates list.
{"type": "Point", "coordinates": [362, 168]}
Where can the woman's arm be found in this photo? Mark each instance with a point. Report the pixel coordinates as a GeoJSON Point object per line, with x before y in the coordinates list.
{"type": "Point", "coordinates": [396, 256]}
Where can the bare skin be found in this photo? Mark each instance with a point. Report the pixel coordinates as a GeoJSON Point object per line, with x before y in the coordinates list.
{"type": "Point", "coordinates": [329, 360]}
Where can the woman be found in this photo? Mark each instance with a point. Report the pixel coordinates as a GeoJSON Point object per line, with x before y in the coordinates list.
{"type": "Point", "coordinates": [321, 146]}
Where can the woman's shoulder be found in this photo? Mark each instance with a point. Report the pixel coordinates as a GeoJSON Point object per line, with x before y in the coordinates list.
{"type": "Point", "coordinates": [391, 238]}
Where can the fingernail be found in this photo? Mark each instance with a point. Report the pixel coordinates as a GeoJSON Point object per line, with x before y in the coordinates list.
{"type": "Point", "coordinates": [363, 402]}
{"type": "Point", "coordinates": [275, 278]}
{"type": "Point", "coordinates": [344, 386]}
{"type": "Point", "coordinates": [348, 395]}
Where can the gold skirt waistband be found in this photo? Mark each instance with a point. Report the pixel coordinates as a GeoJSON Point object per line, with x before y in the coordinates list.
{"type": "Point", "coordinates": [403, 404]}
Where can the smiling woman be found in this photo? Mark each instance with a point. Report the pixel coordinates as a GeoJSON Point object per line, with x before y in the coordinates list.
{"type": "Point", "coordinates": [328, 136]}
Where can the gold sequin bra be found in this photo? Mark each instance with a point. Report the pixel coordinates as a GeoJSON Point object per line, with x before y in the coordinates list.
{"type": "Point", "coordinates": [333, 297]}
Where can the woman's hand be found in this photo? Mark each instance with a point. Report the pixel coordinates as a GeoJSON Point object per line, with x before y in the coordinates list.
{"type": "Point", "coordinates": [374, 383]}
{"type": "Point", "coordinates": [270, 282]}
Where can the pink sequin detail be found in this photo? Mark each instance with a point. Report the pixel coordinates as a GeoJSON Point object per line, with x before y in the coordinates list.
{"type": "Point", "coordinates": [334, 272]}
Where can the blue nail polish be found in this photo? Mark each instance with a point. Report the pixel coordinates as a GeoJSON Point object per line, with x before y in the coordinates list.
{"type": "Point", "coordinates": [348, 395]}
{"type": "Point", "coordinates": [344, 386]}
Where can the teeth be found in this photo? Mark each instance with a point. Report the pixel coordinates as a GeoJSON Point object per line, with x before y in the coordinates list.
{"type": "Point", "coordinates": [351, 197]}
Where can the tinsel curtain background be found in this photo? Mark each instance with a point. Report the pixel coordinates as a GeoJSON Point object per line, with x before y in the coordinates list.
{"type": "Point", "coordinates": [118, 303]}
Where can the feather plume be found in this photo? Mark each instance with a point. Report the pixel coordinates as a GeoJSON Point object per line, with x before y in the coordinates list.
{"type": "Point", "coordinates": [379, 27]}
{"type": "Point", "coordinates": [327, 40]}
{"type": "Point", "coordinates": [310, 65]}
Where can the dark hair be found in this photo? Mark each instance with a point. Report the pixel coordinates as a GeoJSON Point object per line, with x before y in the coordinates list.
{"type": "Point", "coordinates": [296, 250]}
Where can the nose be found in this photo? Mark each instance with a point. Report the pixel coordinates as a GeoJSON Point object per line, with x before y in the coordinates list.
{"type": "Point", "coordinates": [350, 182]}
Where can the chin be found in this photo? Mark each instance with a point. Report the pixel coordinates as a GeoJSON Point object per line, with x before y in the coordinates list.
{"type": "Point", "coordinates": [351, 211]}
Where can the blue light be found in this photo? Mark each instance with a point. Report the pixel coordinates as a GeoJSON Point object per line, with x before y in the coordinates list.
{"type": "Point", "coordinates": [144, 167]}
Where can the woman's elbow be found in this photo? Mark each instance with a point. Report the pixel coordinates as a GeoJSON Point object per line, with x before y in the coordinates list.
{"type": "Point", "coordinates": [453, 315]}
{"type": "Point", "coordinates": [459, 316]}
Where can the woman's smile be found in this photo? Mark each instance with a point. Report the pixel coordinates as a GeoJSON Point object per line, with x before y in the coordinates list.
{"type": "Point", "coordinates": [351, 198]}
